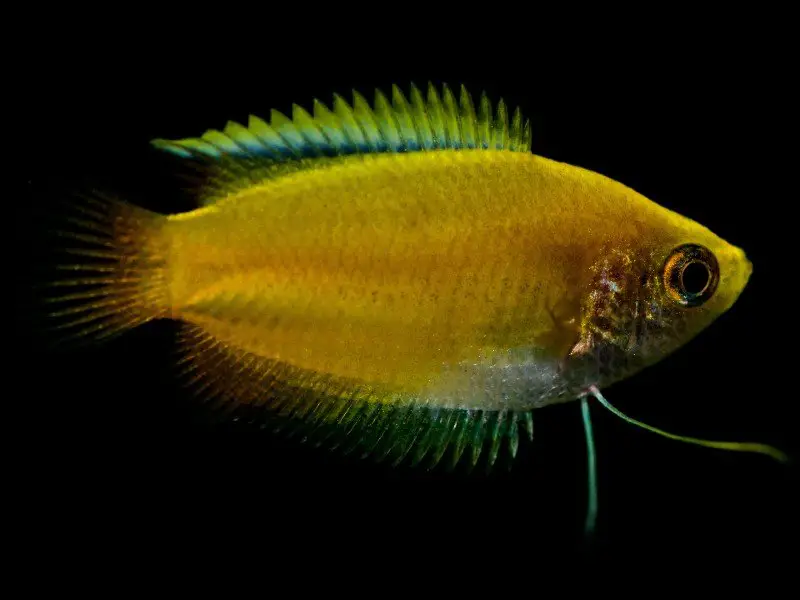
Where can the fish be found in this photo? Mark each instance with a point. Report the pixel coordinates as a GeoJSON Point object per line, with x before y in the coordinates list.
{"type": "Point", "coordinates": [404, 279]}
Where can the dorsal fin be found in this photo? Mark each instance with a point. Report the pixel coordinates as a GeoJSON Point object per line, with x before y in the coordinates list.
{"type": "Point", "coordinates": [241, 156]}
{"type": "Point", "coordinates": [396, 125]}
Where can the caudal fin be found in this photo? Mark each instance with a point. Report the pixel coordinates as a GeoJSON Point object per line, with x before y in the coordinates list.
{"type": "Point", "coordinates": [110, 263]}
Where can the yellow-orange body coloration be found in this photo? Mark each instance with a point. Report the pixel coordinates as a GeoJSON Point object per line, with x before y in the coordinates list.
{"type": "Point", "coordinates": [386, 268]}
{"type": "Point", "coordinates": [410, 276]}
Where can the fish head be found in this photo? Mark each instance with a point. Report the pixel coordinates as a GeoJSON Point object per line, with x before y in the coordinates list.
{"type": "Point", "coordinates": [651, 292]}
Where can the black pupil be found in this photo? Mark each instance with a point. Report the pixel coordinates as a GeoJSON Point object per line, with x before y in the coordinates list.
{"type": "Point", "coordinates": [695, 278]}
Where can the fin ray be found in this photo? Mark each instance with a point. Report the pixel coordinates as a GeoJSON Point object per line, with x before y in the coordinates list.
{"type": "Point", "coordinates": [117, 281]}
{"type": "Point", "coordinates": [240, 155]}
{"type": "Point", "coordinates": [338, 414]}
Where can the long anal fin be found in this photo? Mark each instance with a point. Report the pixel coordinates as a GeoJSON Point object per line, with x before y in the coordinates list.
{"type": "Point", "coordinates": [342, 415]}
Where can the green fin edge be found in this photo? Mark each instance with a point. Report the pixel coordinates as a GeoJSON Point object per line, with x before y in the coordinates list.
{"type": "Point", "coordinates": [265, 150]}
{"type": "Point", "coordinates": [338, 416]}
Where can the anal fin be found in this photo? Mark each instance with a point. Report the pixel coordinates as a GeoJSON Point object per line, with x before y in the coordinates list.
{"type": "Point", "coordinates": [341, 415]}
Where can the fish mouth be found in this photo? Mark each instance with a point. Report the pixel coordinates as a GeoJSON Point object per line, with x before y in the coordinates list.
{"type": "Point", "coordinates": [748, 268]}
{"type": "Point", "coordinates": [742, 265]}
{"type": "Point", "coordinates": [745, 270]}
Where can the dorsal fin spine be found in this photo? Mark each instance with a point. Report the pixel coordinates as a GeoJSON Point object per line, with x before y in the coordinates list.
{"type": "Point", "coordinates": [337, 136]}
{"type": "Point", "coordinates": [269, 138]}
{"type": "Point", "coordinates": [501, 126]}
{"type": "Point", "coordinates": [350, 126]}
{"type": "Point", "coordinates": [313, 140]}
{"type": "Point", "coordinates": [468, 120]}
{"type": "Point", "coordinates": [421, 118]}
{"type": "Point", "coordinates": [287, 132]}
{"type": "Point", "coordinates": [452, 121]}
{"type": "Point", "coordinates": [485, 122]}
{"type": "Point", "coordinates": [389, 125]}
{"type": "Point", "coordinates": [239, 156]}
{"type": "Point", "coordinates": [405, 121]}
{"type": "Point", "coordinates": [243, 137]}
{"type": "Point", "coordinates": [516, 130]}
{"type": "Point", "coordinates": [436, 118]}
{"type": "Point", "coordinates": [364, 116]}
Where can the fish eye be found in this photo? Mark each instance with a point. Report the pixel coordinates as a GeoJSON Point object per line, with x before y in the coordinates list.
{"type": "Point", "coordinates": [691, 274]}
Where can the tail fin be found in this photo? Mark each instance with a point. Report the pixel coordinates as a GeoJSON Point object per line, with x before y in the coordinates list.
{"type": "Point", "coordinates": [114, 277]}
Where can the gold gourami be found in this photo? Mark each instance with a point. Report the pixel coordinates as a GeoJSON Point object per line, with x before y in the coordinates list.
{"type": "Point", "coordinates": [405, 279]}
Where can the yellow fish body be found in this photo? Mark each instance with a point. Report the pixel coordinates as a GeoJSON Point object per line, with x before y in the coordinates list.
{"type": "Point", "coordinates": [432, 274]}
{"type": "Point", "coordinates": [405, 278]}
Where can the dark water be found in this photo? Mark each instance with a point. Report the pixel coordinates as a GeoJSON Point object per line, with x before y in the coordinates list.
{"type": "Point", "coordinates": [116, 453]}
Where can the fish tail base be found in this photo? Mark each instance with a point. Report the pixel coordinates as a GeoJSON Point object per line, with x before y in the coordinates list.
{"type": "Point", "coordinates": [110, 270]}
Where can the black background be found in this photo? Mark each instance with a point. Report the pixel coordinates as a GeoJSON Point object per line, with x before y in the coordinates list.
{"type": "Point", "coordinates": [118, 455]}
